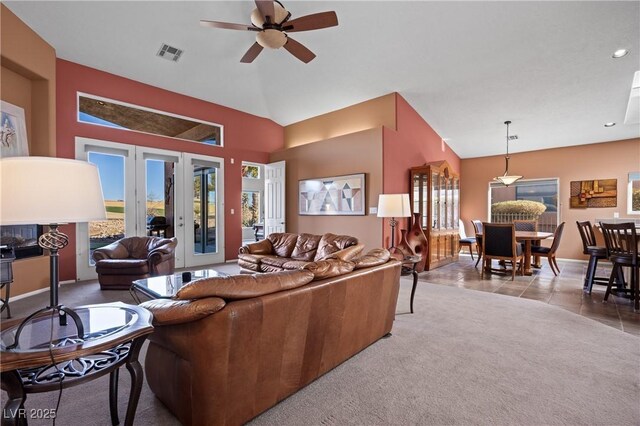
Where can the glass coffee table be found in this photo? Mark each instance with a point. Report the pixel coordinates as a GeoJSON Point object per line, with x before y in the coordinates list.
{"type": "Point", "coordinates": [166, 286]}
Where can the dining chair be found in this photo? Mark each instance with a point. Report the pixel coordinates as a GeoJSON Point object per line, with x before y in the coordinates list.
{"type": "Point", "coordinates": [477, 228]}
{"type": "Point", "coordinates": [464, 240]}
{"type": "Point", "coordinates": [499, 242]}
{"type": "Point", "coordinates": [550, 252]}
{"type": "Point", "coordinates": [621, 242]}
{"type": "Point", "coordinates": [595, 253]}
{"type": "Point", "coordinates": [526, 225]}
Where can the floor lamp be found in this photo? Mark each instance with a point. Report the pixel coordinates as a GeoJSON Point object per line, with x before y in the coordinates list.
{"type": "Point", "coordinates": [50, 191]}
{"type": "Point", "coordinates": [393, 205]}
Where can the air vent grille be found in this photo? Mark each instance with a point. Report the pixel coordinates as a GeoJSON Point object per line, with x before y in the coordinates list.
{"type": "Point", "coordinates": [513, 137]}
{"type": "Point", "coordinates": [170, 53]}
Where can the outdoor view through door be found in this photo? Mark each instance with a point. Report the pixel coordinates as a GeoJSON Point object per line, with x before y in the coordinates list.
{"type": "Point", "coordinates": [111, 170]}
{"type": "Point", "coordinates": [204, 209]}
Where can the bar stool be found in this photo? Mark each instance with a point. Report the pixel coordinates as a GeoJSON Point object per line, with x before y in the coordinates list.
{"type": "Point", "coordinates": [622, 250]}
{"type": "Point", "coordinates": [595, 253]}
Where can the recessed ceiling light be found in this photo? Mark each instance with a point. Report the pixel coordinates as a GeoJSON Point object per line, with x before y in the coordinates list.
{"type": "Point", "coordinates": [611, 124]}
{"type": "Point", "coordinates": [620, 53]}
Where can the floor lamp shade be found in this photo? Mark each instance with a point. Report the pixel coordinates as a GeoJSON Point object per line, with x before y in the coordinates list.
{"type": "Point", "coordinates": [394, 205]}
{"type": "Point", "coordinates": [47, 190]}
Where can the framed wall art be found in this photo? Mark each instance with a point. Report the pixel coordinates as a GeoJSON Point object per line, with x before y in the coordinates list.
{"type": "Point", "coordinates": [336, 195]}
{"type": "Point", "coordinates": [593, 193]}
{"type": "Point", "coordinates": [13, 131]}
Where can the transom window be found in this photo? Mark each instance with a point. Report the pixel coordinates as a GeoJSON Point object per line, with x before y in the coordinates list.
{"type": "Point", "coordinates": [120, 115]}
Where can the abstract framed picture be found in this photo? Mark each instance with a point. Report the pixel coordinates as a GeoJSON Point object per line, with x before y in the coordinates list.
{"type": "Point", "coordinates": [13, 131]}
{"type": "Point", "coordinates": [593, 193]}
{"type": "Point", "coordinates": [332, 196]}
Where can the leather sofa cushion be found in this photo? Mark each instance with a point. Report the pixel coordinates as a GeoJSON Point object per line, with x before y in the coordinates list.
{"type": "Point", "coordinates": [331, 243]}
{"type": "Point", "coordinates": [329, 268]}
{"type": "Point", "coordinates": [373, 258]}
{"type": "Point", "coordinates": [306, 247]}
{"type": "Point", "coordinates": [253, 258]}
{"type": "Point", "coordinates": [283, 243]}
{"type": "Point", "coordinates": [295, 264]}
{"type": "Point", "coordinates": [255, 267]}
{"type": "Point", "coordinates": [270, 268]}
{"type": "Point", "coordinates": [235, 287]}
{"type": "Point", "coordinates": [274, 261]}
{"type": "Point", "coordinates": [167, 312]}
{"type": "Point", "coordinates": [123, 266]}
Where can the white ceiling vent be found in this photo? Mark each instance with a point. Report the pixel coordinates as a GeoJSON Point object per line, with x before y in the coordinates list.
{"type": "Point", "coordinates": [633, 107]}
{"type": "Point", "coordinates": [169, 52]}
{"type": "Point", "coordinates": [513, 137]}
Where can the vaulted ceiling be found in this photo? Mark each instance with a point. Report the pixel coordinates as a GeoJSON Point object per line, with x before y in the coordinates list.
{"type": "Point", "coordinates": [466, 67]}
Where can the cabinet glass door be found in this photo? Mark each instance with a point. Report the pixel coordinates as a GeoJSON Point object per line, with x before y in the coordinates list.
{"type": "Point", "coordinates": [435, 200]}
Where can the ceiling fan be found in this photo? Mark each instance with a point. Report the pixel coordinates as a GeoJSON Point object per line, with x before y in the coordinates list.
{"type": "Point", "coordinates": [271, 21]}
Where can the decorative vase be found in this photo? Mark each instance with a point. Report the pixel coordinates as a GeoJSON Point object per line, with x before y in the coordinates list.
{"type": "Point", "coordinates": [403, 246]}
{"type": "Point", "coordinates": [418, 242]}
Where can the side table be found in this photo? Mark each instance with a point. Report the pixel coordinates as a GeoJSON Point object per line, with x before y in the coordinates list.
{"type": "Point", "coordinates": [114, 334]}
{"type": "Point", "coordinates": [409, 264]}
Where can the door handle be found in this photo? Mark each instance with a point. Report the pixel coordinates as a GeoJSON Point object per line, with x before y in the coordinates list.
{"type": "Point", "coordinates": [180, 225]}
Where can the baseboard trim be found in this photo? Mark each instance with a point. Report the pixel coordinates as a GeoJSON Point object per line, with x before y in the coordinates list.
{"type": "Point", "coordinates": [38, 291]}
{"type": "Point", "coordinates": [560, 258]}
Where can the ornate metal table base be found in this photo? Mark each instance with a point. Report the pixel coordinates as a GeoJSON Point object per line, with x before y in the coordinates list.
{"type": "Point", "coordinates": [19, 383]}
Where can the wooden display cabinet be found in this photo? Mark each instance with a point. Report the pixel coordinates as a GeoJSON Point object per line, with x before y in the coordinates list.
{"type": "Point", "coordinates": [435, 195]}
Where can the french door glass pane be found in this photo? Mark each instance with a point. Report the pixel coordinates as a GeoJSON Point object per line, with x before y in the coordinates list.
{"type": "Point", "coordinates": [250, 203]}
{"type": "Point", "coordinates": [111, 170]}
{"type": "Point", "coordinates": [204, 209]}
{"type": "Point", "coordinates": [160, 200]}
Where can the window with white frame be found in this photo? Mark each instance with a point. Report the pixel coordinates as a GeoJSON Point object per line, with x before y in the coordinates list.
{"type": "Point", "coordinates": [633, 193]}
{"type": "Point", "coordinates": [543, 191]}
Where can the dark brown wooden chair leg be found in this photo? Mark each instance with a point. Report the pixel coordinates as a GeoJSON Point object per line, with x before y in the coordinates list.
{"type": "Point", "coordinates": [614, 273]}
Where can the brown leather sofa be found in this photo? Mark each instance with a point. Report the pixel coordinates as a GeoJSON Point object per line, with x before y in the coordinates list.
{"type": "Point", "coordinates": [284, 251]}
{"type": "Point", "coordinates": [133, 258]}
{"type": "Point", "coordinates": [226, 349]}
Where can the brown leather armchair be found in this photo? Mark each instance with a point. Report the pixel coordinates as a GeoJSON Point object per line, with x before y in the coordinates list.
{"type": "Point", "coordinates": [129, 259]}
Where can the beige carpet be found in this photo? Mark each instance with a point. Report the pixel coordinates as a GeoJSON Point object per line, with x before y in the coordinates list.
{"type": "Point", "coordinates": [491, 359]}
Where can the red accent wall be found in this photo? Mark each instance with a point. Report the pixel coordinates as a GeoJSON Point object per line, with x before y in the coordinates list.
{"type": "Point", "coordinates": [246, 137]}
{"type": "Point", "coordinates": [413, 143]}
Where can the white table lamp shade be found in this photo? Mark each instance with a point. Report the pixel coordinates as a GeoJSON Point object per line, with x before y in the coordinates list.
{"type": "Point", "coordinates": [394, 205]}
{"type": "Point", "coordinates": [47, 190]}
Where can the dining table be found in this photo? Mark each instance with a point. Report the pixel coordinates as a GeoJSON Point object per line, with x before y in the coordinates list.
{"type": "Point", "coordinates": [528, 238]}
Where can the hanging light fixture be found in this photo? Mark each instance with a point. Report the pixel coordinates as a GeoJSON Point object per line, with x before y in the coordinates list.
{"type": "Point", "coordinates": [507, 179]}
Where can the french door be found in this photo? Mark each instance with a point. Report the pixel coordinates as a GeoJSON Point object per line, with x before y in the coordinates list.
{"type": "Point", "coordinates": [151, 191]}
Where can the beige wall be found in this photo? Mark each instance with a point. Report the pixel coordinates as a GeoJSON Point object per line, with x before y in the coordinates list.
{"type": "Point", "coordinates": [27, 79]}
{"type": "Point", "coordinates": [365, 115]}
{"type": "Point", "coordinates": [611, 160]}
{"type": "Point", "coordinates": [359, 152]}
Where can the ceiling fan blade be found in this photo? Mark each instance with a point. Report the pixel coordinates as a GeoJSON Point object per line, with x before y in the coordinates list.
{"type": "Point", "coordinates": [252, 53]}
{"type": "Point", "coordinates": [266, 8]}
{"type": "Point", "coordinates": [299, 51]}
{"type": "Point", "coordinates": [315, 21]}
{"type": "Point", "coordinates": [228, 25]}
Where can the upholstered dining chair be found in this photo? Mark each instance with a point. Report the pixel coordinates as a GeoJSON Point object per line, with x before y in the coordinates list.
{"type": "Point", "coordinates": [621, 241]}
{"type": "Point", "coordinates": [477, 228]}
{"type": "Point", "coordinates": [526, 225]}
{"type": "Point", "coordinates": [464, 240]}
{"type": "Point", "coordinates": [550, 252]}
{"type": "Point", "coordinates": [499, 242]}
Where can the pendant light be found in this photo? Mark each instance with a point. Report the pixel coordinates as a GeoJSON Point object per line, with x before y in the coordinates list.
{"type": "Point", "coordinates": [507, 179]}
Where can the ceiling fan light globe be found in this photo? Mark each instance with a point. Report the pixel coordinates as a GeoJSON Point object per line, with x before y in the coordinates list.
{"type": "Point", "coordinates": [271, 39]}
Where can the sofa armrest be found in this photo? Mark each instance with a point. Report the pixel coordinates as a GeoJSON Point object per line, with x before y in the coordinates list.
{"type": "Point", "coordinates": [168, 312]}
{"type": "Point", "coordinates": [261, 247]}
{"type": "Point", "coordinates": [114, 250]}
{"type": "Point", "coordinates": [346, 254]}
{"type": "Point", "coordinates": [163, 252]}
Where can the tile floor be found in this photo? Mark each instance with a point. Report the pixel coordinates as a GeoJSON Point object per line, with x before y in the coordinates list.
{"type": "Point", "coordinates": [565, 290]}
